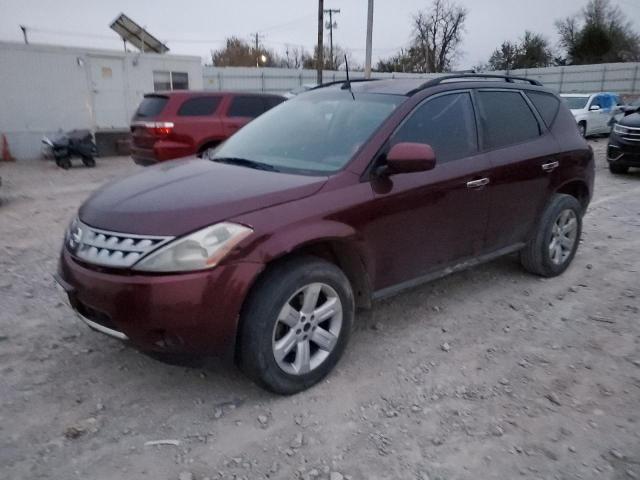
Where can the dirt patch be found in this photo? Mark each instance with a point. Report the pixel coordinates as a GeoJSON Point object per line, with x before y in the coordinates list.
{"type": "Point", "coordinates": [539, 378]}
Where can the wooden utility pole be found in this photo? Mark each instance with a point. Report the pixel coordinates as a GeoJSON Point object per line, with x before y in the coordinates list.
{"type": "Point", "coordinates": [320, 55]}
{"type": "Point", "coordinates": [367, 63]}
{"type": "Point", "coordinates": [256, 38]}
{"type": "Point", "coordinates": [331, 25]}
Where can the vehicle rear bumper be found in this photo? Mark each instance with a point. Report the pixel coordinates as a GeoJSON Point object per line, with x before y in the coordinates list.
{"type": "Point", "coordinates": [160, 152]}
{"type": "Point", "coordinates": [194, 313]}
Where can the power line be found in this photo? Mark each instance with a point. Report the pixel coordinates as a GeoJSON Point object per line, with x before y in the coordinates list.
{"type": "Point", "coordinates": [286, 24]}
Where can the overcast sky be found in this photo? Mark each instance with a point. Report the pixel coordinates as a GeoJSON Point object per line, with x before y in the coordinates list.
{"type": "Point", "coordinates": [197, 26]}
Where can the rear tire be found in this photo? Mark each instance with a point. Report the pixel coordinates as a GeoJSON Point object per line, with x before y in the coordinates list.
{"type": "Point", "coordinates": [552, 247]}
{"type": "Point", "coordinates": [64, 163]}
{"type": "Point", "coordinates": [89, 162]}
{"type": "Point", "coordinates": [289, 341]}
{"type": "Point", "coordinates": [618, 169]}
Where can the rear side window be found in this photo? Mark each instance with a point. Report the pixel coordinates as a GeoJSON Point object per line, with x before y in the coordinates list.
{"type": "Point", "coordinates": [246, 106]}
{"type": "Point", "coordinates": [151, 106]}
{"type": "Point", "coordinates": [199, 106]}
{"type": "Point", "coordinates": [546, 104]}
{"type": "Point", "coordinates": [447, 123]}
{"type": "Point", "coordinates": [506, 118]}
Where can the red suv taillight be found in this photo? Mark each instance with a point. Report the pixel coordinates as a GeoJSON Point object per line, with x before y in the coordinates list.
{"type": "Point", "coordinates": [157, 129]}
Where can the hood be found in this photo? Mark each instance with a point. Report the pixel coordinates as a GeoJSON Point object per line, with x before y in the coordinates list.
{"type": "Point", "coordinates": [631, 120]}
{"type": "Point", "coordinates": [181, 196]}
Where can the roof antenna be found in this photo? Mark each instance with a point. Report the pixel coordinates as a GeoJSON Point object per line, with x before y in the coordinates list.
{"type": "Point", "coordinates": [347, 84]}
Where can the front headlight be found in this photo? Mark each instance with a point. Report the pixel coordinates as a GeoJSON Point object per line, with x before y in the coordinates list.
{"type": "Point", "coordinates": [73, 234]}
{"type": "Point", "coordinates": [198, 251]}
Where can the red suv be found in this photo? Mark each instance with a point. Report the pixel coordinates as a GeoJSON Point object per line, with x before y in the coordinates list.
{"type": "Point", "coordinates": [182, 123]}
{"type": "Point", "coordinates": [348, 193]}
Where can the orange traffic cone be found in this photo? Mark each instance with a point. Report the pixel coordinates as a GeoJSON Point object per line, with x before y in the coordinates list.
{"type": "Point", "coordinates": [6, 154]}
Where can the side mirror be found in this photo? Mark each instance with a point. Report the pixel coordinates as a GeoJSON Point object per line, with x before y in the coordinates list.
{"type": "Point", "coordinates": [408, 157]}
{"type": "Point", "coordinates": [594, 108]}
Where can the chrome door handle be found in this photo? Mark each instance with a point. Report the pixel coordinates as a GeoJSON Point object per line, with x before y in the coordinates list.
{"type": "Point", "coordinates": [550, 167]}
{"type": "Point", "coordinates": [478, 183]}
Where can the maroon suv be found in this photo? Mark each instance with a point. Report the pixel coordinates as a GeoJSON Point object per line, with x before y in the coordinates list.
{"type": "Point", "coordinates": [343, 195]}
{"type": "Point", "coordinates": [185, 122]}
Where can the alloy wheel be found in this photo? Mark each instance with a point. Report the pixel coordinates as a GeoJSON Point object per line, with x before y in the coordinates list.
{"type": "Point", "coordinates": [307, 329]}
{"type": "Point", "coordinates": [564, 235]}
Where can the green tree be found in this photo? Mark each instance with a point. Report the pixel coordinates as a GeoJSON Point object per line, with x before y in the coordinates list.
{"type": "Point", "coordinates": [531, 51]}
{"type": "Point", "coordinates": [599, 35]}
{"type": "Point", "coordinates": [505, 57]}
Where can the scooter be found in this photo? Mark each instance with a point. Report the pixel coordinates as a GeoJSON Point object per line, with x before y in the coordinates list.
{"type": "Point", "coordinates": [76, 143]}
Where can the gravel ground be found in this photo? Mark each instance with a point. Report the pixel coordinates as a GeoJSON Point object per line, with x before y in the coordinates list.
{"type": "Point", "coordinates": [486, 374]}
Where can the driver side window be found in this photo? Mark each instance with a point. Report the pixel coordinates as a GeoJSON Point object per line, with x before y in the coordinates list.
{"type": "Point", "coordinates": [597, 101]}
{"type": "Point", "coordinates": [447, 123]}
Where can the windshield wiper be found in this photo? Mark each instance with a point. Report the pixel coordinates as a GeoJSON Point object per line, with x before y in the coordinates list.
{"type": "Point", "coordinates": [244, 162]}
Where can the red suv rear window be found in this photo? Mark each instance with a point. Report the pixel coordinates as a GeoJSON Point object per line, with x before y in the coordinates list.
{"type": "Point", "coordinates": [151, 106]}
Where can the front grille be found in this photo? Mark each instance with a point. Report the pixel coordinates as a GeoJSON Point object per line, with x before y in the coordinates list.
{"type": "Point", "coordinates": [110, 249]}
{"type": "Point", "coordinates": [630, 134]}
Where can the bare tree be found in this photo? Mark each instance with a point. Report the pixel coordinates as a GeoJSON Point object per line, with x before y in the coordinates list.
{"type": "Point", "coordinates": [438, 34]}
{"type": "Point", "coordinates": [296, 57]}
{"type": "Point", "coordinates": [240, 53]}
{"type": "Point", "coordinates": [337, 61]}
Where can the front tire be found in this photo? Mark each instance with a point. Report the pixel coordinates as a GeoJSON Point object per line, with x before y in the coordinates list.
{"type": "Point", "coordinates": [554, 244]}
{"type": "Point", "coordinates": [618, 169]}
{"type": "Point", "coordinates": [296, 324]}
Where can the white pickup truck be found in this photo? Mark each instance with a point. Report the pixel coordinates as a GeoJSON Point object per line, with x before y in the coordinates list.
{"type": "Point", "coordinates": [594, 111]}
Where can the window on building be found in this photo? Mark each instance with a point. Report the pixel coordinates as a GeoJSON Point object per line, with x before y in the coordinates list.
{"type": "Point", "coordinates": [506, 118]}
{"type": "Point", "coordinates": [199, 106]}
{"type": "Point", "coordinates": [447, 123]}
{"type": "Point", "coordinates": [165, 81]}
{"type": "Point", "coordinates": [179, 81]}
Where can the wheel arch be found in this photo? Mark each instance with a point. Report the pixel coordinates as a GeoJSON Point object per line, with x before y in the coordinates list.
{"type": "Point", "coordinates": [583, 122]}
{"type": "Point", "coordinates": [578, 189]}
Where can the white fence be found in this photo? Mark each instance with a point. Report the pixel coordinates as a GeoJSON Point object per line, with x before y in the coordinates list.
{"type": "Point", "coordinates": [279, 80]}
{"type": "Point", "coordinates": [607, 77]}
{"type": "Point", "coordinates": [616, 77]}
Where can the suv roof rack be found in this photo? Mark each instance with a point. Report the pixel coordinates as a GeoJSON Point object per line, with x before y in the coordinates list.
{"type": "Point", "coordinates": [336, 82]}
{"type": "Point", "coordinates": [465, 76]}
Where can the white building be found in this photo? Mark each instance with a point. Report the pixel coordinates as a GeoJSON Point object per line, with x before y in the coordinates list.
{"type": "Point", "coordinates": [44, 89]}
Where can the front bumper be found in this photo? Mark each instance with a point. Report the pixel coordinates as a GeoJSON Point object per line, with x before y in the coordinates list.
{"type": "Point", "coordinates": [195, 313]}
{"type": "Point", "coordinates": [623, 153]}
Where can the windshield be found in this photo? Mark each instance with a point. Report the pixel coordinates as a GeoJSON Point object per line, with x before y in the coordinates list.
{"type": "Point", "coordinates": [576, 103]}
{"type": "Point", "coordinates": [316, 133]}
